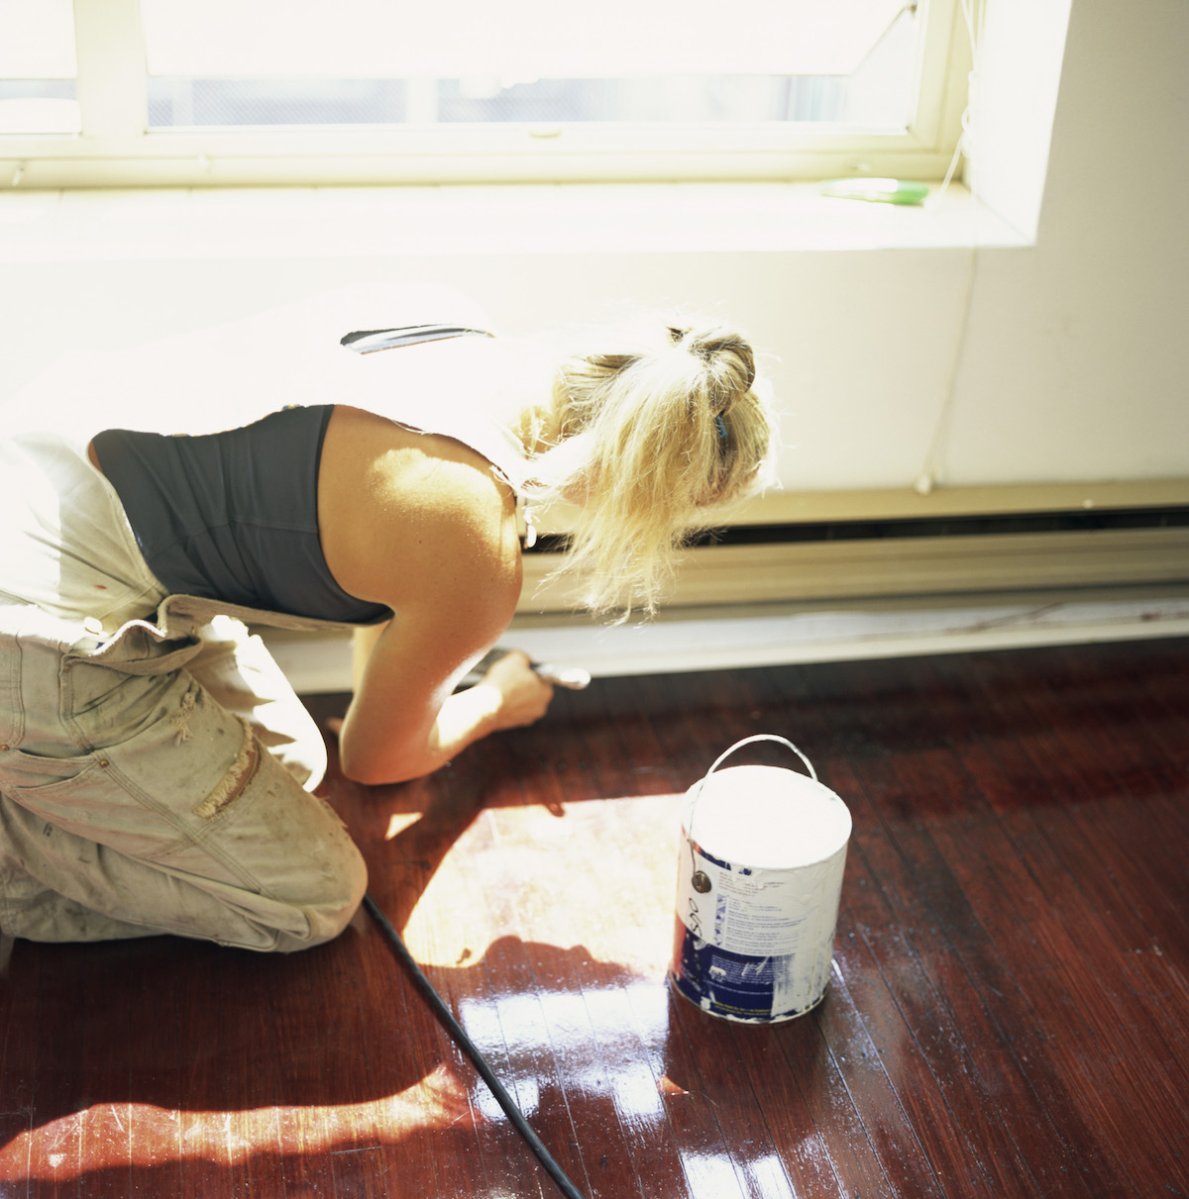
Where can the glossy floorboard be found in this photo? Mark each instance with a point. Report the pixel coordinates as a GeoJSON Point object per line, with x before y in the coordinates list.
{"type": "Point", "coordinates": [1007, 1015]}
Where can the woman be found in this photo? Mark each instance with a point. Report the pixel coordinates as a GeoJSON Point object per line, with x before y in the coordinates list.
{"type": "Point", "coordinates": [156, 771]}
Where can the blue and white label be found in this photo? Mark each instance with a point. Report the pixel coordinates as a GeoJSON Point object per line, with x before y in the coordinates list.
{"type": "Point", "coordinates": [754, 944]}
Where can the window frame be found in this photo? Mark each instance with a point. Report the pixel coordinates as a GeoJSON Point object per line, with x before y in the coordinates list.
{"type": "Point", "coordinates": [114, 147]}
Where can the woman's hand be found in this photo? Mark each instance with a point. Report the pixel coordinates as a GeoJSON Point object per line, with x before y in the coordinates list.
{"type": "Point", "coordinates": [524, 695]}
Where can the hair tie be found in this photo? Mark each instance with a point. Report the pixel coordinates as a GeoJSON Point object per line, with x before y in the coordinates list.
{"type": "Point", "coordinates": [721, 426]}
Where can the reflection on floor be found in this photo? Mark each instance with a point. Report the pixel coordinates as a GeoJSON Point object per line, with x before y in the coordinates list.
{"type": "Point", "coordinates": [1007, 1014]}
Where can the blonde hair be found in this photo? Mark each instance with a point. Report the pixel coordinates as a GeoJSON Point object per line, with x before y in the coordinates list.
{"type": "Point", "coordinates": [644, 439]}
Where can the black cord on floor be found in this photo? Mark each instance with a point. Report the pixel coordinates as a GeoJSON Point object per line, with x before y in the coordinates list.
{"type": "Point", "coordinates": [446, 1016]}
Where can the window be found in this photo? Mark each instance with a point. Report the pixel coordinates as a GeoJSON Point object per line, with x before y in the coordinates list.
{"type": "Point", "coordinates": [37, 68]}
{"type": "Point", "coordinates": [313, 91]}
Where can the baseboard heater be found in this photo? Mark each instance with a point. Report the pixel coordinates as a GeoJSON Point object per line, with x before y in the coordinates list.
{"type": "Point", "coordinates": [978, 525]}
{"type": "Point", "coordinates": [925, 555]}
{"type": "Point", "coordinates": [974, 525]}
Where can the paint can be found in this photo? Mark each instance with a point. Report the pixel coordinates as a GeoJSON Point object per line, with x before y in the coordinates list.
{"type": "Point", "coordinates": [760, 868]}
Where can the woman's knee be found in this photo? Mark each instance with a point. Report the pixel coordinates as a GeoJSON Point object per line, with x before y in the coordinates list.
{"type": "Point", "coordinates": [330, 903]}
{"type": "Point", "coordinates": [299, 853]}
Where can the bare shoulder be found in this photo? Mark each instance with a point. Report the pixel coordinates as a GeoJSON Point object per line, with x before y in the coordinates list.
{"type": "Point", "coordinates": [417, 522]}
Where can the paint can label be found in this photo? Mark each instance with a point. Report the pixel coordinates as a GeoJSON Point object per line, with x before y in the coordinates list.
{"type": "Point", "coordinates": [754, 944]}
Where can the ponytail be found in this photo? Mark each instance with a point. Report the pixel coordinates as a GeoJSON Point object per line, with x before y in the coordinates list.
{"type": "Point", "coordinates": [644, 440]}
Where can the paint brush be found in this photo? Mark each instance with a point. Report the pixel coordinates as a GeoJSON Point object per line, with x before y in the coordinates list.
{"type": "Point", "coordinates": [573, 678]}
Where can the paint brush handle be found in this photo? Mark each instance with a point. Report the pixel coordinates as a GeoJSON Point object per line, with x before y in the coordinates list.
{"type": "Point", "coordinates": [573, 678]}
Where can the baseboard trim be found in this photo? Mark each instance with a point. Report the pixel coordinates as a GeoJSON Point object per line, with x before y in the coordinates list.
{"type": "Point", "coordinates": [734, 637]}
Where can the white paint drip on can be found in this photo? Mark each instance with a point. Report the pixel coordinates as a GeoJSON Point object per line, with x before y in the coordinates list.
{"type": "Point", "coordinates": [763, 851]}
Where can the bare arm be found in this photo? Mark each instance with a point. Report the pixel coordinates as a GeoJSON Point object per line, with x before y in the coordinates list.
{"type": "Point", "coordinates": [453, 577]}
{"type": "Point", "coordinates": [403, 723]}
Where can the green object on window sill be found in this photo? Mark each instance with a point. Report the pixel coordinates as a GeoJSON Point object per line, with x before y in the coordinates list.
{"type": "Point", "coordinates": [880, 191]}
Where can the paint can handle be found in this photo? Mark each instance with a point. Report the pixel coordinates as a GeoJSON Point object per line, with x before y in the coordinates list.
{"type": "Point", "coordinates": [760, 737]}
{"type": "Point", "coordinates": [725, 755]}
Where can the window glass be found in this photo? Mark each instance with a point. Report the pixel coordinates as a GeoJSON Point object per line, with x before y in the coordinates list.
{"type": "Point", "coordinates": [36, 39]}
{"type": "Point", "coordinates": [379, 62]}
{"type": "Point", "coordinates": [37, 67]}
{"type": "Point", "coordinates": [38, 106]}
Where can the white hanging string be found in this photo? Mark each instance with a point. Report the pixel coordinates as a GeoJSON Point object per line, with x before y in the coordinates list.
{"type": "Point", "coordinates": [973, 16]}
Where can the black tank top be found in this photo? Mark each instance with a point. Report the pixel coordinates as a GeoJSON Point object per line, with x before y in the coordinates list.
{"type": "Point", "coordinates": [234, 515]}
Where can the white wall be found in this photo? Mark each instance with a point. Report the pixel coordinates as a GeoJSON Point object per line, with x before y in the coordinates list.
{"type": "Point", "coordinates": [1071, 365]}
{"type": "Point", "coordinates": [1076, 365]}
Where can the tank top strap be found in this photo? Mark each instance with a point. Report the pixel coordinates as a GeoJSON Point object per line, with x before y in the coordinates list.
{"type": "Point", "coordinates": [464, 422]}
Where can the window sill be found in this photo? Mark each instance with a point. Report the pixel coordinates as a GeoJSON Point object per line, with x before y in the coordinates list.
{"type": "Point", "coordinates": [263, 223]}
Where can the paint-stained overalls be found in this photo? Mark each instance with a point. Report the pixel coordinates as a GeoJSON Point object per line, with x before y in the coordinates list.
{"type": "Point", "coordinates": [156, 768]}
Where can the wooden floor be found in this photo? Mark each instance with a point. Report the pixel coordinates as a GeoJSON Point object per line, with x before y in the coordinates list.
{"type": "Point", "coordinates": [1007, 1015]}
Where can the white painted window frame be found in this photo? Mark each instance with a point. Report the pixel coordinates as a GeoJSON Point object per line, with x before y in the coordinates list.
{"type": "Point", "coordinates": [114, 147]}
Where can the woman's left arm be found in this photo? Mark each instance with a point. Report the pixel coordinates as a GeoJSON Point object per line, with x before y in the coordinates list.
{"type": "Point", "coordinates": [403, 723]}
{"type": "Point", "coordinates": [454, 595]}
